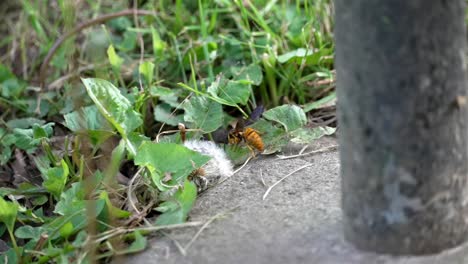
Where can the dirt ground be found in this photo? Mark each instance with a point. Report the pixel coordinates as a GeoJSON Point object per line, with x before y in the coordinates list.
{"type": "Point", "coordinates": [298, 222]}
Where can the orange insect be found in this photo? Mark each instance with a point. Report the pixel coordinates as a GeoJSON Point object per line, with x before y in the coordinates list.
{"type": "Point", "coordinates": [251, 137]}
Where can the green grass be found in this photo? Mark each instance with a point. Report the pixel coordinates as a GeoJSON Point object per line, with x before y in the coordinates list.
{"type": "Point", "coordinates": [111, 87]}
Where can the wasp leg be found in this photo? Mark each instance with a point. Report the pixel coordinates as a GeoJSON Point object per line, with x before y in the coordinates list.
{"type": "Point", "coordinates": [252, 151]}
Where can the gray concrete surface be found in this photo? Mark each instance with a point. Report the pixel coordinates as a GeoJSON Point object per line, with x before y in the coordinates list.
{"type": "Point", "coordinates": [299, 222]}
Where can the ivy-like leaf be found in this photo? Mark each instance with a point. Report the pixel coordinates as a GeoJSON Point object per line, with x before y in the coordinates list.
{"type": "Point", "coordinates": [183, 202]}
{"type": "Point", "coordinates": [55, 179]}
{"type": "Point", "coordinates": [307, 135]}
{"type": "Point", "coordinates": [163, 113]}
{"type": "Point", "coordinates": [170, 158]}
{"type": "Point", "coordinates": [253, 73]}
{"type": "Point", "coordinates": [291, 117]}
{"type": "Point", "coordinates": [203, 113]}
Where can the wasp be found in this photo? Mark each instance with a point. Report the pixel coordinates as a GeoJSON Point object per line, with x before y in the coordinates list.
{"type": "Point", "coordinates": [249, 135]}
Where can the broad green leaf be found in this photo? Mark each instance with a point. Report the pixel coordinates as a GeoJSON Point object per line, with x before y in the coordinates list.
{"type": "Point", "coordinates": [253, 73]}
{"type": "Point", "coordinates": [39, 200]}
{"type": "Point", "coordinates": [230, 92]}
{"type": "Point", "coordinates": [169, 158]}
{"type": "Point", "coordinates": [160, 91]}
{"type": "Point", "coordinates": [168, 96]}
{"type": "Point", "coordinates": [71, 200]}
{"type": "Point", "coordinates": [203, 113]}
{"type": "Point", "coordinates": [163, 113]}
{"type": "Point", "coordinates": [26, 138]}
{"type": "Point", "coordinates": [114, 59]}
{"type": "Point", "coordinates": [55, 179]}
{"type": "Point", "coordinates": [184, 198]}
{"type": "Point", "coordinates": [128, 42]}
{"type": "Point", "coordinates": [86, 118]}
{"type": "Point", "coordinates": [8, 211]}
{"type": "Point", "coordinates": [88, 121]}
{"type": "Point", "coordinates": [147, 70]}
{"type": "Point", "coordinates": [24, 122]}
{"type": "Point", "coordinates": [235, 92]}
{"type": "Point", "coordinates": [9, 256]}
{"type": "Point", "coordinates": [291, 117]}
{"type": "Point", "coordinates": [307, 135]}
{"type": "Point", "coordinates": [29, 232]}
{"type": "Point", "coordinates": [237, 154]}
{"type": "Point", "coordinates": [137, 139]}
{"type": "Point", "coordinates": [114, 107]}
{"type": "Point", "coordinates": [137, 245]}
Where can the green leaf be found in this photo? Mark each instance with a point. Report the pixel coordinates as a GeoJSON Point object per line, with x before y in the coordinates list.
{"type": "Point", "coordinates": [24, 122]}
{"type": "Point", "coordinates": [29, 232]}
{"type": "Point", "coordinates": [253, 73]}
{"type": "Point", "coordinates": [72, 200]}
{"type": "Point", "coordinates": [128, 42]}
{"type": "Point", "coordinates": [170, 158]}
{"type": "Point", "coordinates": [147, 69]}
{"type": "Point", "coordinates": [86, 118]}
{"type": "Point", "coordinates": [291, 117]}
{"type": "Point", "coordinates": [314, 105]}
{"type": "Point", "coordinates": [160, 91]}
{"type": "Point", "coordinates": [114, 211]}
{"type": "Point", "coordinates": [184, 198]}
{"type": "Point", "coordinates": [114, 59]}
{"type": "Point", "coordinates": [8, 211]}
{"type": "Point", "coordinates": [163, 113]}
{"type": "Point", "coordinates": [137, 245]}
{"type": "Point", "coordinates": [55, 179]}
{"type": "Point", "coordinates": [235, 92]}
{"type": "Point", "coordinates": [307, 135]}
{"type": "Point", "coordinates": [114, 107]}
{"type": "Point", "coordinates": [159, 46]}
{"type": "Point", "coordinates": [39, 200]}
{"type": "Point", "coordinates": [204, 114]}
{"type": "Point", "coordinates": [165, 94]}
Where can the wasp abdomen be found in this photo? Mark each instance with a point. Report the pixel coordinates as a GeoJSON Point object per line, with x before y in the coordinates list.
{"type": "Point", "coordinates": [253, 138]}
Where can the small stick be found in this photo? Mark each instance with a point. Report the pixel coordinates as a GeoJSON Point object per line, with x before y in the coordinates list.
{"type": "Point", "coordinates": [182, 132]}
{"type": "Point", "coordinates": [236, 171]}
{"type": "Point", "coordinates": [173, 131]}
{"type": "Point", "coordinates": [322, 150]}
{"type": "Point", "coordinates": [261, 178]}
{"type": "Point", "coordinates": [303, 149]}
{"type": "Point", "coordinates": [280, 180]}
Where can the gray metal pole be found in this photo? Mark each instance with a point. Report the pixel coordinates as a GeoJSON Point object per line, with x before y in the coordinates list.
{"type": "Point", "coordinates": [403, 123]}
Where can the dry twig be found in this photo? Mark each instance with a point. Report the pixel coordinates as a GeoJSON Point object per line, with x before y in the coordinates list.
{"type": "Point", "coordinates": [322, 150]}
{"type": "Point", "coordinates": [280, 180]}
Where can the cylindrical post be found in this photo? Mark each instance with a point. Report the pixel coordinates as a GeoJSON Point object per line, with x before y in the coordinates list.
{"type": "Point", "coordinates": [403, 117]}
